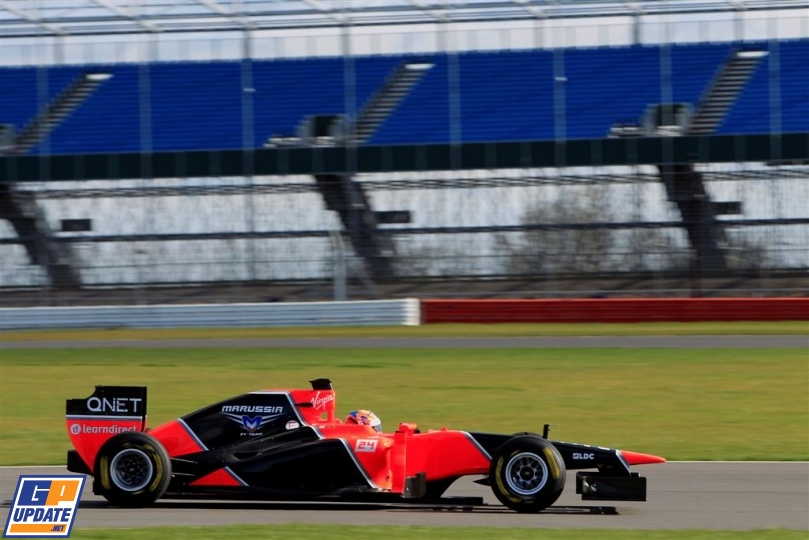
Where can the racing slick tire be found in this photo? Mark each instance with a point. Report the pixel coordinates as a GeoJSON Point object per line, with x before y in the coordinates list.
{"type": "Point", "coordinates": [527, 474]}
{"type": "Point", "coordinates": [132, 470]}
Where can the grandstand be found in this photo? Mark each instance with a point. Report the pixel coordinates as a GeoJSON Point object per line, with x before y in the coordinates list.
{"type": "Point", "coordinates": [504, 96]}
{"type": "Point", "coordinates": [653, 122]}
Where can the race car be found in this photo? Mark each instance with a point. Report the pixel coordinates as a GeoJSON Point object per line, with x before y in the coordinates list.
{"type": "Point", "coordinates": [289, 445]}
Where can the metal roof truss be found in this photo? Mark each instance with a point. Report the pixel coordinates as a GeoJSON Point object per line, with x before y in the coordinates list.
{"type": "Point", "coordinates": [34, 18]}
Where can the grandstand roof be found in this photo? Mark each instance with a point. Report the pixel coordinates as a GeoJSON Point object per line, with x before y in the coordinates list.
{"type": "Point", "coordinates": [25, 18]}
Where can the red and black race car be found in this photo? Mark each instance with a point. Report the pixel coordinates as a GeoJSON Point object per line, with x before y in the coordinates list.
{"type": "Point", "coordinates": [285, 445]}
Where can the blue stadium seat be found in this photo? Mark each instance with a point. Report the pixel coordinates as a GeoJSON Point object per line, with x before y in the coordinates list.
{"type": "Point", "coordinates": [504, 96]}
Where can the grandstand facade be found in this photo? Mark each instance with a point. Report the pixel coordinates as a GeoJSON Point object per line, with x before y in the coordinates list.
{"type": "Point", "coordinates": [470, 148]}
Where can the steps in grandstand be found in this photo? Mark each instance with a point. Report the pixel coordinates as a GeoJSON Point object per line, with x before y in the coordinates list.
{"type": "Point", "coordinates": [341, 193]}
{"type": "Point", "coordinates": [347, 197]}
{"type": "Point", "coordinates": [21, 209]}
{"type": "Point", "coordinates": [386, 99]}
{"type": "Point", "coordinates": [686, 188]}
{"type": "Point", "coordinates": [56, 111]}
{"type": "Point", "coordinates": [722, 93]}
{"type": "Point", "coordinates": [31, 226]}
{"type": "Point", "coordinates": [685, 185]}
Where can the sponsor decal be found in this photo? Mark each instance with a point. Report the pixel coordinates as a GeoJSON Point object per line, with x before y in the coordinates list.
{"type": "Point", "coordinates": [251, 424]}
{"type": "Point", "coordinates": [44, 506]}
{"type": "Point", "coordinates": [588, 446]}
{"type": "Point", "coordinates": [319, 402]}
{"type": "Point", "coordinates": [579, 455]}
{"type": "Point", "coordinates": [365, 445]}
{"type": "Point", "coordinates": [268, 409]}
{"type": "Point", "coordinates": [76, 429]}
{"type": "Point", "coordinates": [118, 405]}
{"type": "Point", "coordinates": [293, 424]}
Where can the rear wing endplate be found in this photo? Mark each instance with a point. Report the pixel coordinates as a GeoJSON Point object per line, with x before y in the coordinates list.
{"type": "Point", "coordinates": [110, 402]}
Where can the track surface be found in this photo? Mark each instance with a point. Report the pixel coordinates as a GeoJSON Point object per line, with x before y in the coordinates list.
{"type": "Point", "coordinates": [680, 496]}
{"type": "Point", "coordinates": [668, 342]}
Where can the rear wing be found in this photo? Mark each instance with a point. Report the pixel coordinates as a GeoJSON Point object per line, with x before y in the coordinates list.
{"type": "Point", "coordinates": [110, 401]}
{"type": "Point", "coordinates": [108, 411]}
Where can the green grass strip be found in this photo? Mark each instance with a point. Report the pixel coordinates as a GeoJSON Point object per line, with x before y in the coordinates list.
{"type": "Point", "coordinates": [345, 532]}
{"type": "Point", "coordinates": [682, 404]}
{"type": "Point", "coordinates": [432, 330]}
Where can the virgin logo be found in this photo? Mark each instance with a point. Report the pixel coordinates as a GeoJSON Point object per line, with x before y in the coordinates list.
{"type": "Point", "coordinates": [320, 402]}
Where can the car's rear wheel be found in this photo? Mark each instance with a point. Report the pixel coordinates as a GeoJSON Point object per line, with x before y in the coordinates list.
{"type": "Point", "coordinates": [132, 469]}
{"type": "Point", "coordinates": [527, 474]}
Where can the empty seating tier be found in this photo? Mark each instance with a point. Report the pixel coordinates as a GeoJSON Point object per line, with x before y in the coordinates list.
{"type": "Point", "coordinates": [502, 96]}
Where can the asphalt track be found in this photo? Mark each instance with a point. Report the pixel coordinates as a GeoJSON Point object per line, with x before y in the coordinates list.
{"type": "Point", "coordinates": [704, 495]}
{"type": "Point", "coordinates": [666, 342]}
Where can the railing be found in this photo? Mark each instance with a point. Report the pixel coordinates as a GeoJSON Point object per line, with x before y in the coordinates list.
{"type": "Point", "coordinates": [360, 313]}
{"type": "Point", "coordinates": [407, 312]}
{"type": "Point", "coordinates": [615, 310]}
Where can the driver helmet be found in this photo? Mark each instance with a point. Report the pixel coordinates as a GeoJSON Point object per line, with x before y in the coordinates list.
{"type": "Point", "coordinates": [364, 418]}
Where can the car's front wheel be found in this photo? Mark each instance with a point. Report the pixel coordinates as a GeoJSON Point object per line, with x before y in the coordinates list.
{"type": "Point", "coordinates": [132, 469]}
{"type": "Point", "coordinates": [527, 474]}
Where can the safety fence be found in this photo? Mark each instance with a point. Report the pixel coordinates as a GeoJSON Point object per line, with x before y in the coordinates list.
{"type": "Point", "coordinates": [358, 313]}
{"type": "Point", "coordinates": [408, 312]}
{"type": "Point", "coordinates": [614, 310]}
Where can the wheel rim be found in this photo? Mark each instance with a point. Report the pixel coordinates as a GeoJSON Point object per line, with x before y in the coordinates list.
{"type": "Point", "coordinates": [131, 469]}
{"type": "Point", "coordinates": [526, 473]}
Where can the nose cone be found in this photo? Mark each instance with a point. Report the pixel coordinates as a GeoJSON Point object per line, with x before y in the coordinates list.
{"type": "Point", "coordinates": [636, 458]}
